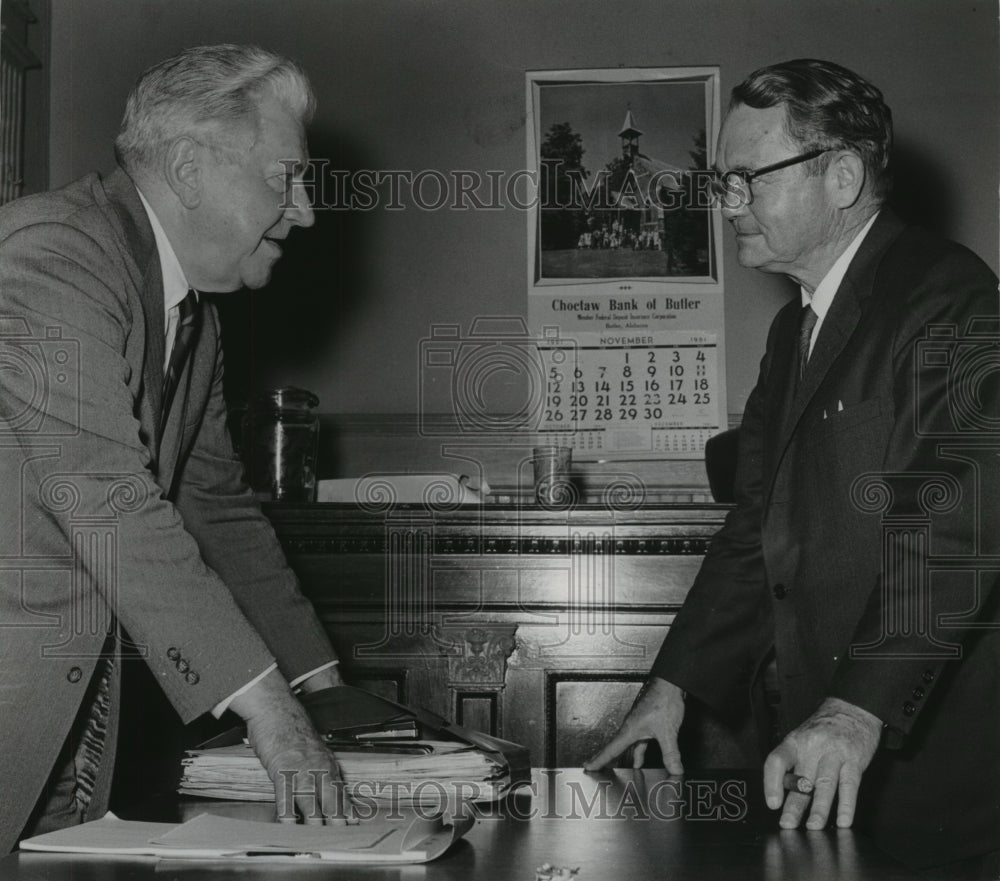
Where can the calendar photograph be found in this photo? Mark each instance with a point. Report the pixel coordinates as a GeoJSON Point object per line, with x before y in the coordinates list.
{"type": "Point", "coordinates": [622, 159]}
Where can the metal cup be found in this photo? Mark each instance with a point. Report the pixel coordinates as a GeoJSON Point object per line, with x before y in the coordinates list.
{"type": "Point", "coordinates": [551, 465]}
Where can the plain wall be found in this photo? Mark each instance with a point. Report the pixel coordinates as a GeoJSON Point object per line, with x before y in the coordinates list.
{"type": "Point", "coordinates": [439, 84]}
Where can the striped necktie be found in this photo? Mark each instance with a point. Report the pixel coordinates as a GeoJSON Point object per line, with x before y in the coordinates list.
{"type": "Point", "coordinates": [188, 321]}
{"type": "Point", "coordinates": [807, 321]}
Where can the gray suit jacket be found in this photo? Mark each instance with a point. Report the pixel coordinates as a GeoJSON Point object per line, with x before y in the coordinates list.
{"type": "Point", "coordinates": [108, 519]}
{"type": "Point", "coordinates": [860, 545]}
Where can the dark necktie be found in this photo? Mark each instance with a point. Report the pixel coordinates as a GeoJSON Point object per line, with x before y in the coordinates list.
{"type": "Point", "coordinates": [189, 318]}
{"type": "Point", "coordinates": [807, 321]}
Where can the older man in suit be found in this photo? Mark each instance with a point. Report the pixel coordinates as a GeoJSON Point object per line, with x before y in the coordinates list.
{"type": "Point", "coordinates": [858, 553]}
{"type": "Point", "coordinates": [125, 514]}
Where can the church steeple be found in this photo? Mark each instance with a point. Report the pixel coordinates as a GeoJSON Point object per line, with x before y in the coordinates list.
{"type": "Point", "coordinates": [630, 136]}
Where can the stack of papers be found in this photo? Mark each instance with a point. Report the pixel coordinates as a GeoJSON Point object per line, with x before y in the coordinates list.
{"type": "Point", "coordinates": [424, 772]}
{"type": "Point", "coordinates": [387, 490]}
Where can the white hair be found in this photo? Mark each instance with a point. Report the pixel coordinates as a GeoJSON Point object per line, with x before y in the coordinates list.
{"type": "Point", "coordinates": [207, 92]}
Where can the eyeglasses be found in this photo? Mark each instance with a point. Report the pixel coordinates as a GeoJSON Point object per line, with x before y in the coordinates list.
{"type": "Point", "coordinates": [733, 190]}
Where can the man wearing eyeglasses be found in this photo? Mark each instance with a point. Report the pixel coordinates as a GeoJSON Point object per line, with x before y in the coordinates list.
{"type": "Point", "coordinates": [856, 557]}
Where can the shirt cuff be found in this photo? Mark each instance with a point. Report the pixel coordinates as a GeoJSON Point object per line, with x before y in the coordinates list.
{"type": "Point", "coordinates": [298, 680]}
{"type": "Point", "coordinates": [223, 705]}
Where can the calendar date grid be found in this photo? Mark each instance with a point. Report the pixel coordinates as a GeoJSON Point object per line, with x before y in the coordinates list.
{"type": "Point", "coordinates": [664, 385]}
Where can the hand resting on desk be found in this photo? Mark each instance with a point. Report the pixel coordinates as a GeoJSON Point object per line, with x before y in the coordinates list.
{"type": "Point", "coordinates": [656, 714]}
{"type": "Point", "coordinates": [832, 748]}
{"type": "Point", "coordinates": [304, 771]}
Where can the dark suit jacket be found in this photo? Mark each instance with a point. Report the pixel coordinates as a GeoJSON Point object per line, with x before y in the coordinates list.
{"type": "Point", "coordinates": [109, 519]}
{"type": "Point", "coordinates": [887, 452]}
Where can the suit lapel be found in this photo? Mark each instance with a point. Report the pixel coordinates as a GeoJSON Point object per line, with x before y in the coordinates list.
{"type": "Point", "coordinates": [141, 243]}
{"type": "Point", "coordinates": [835, 332]}
{"type": "Point", "coordinates": [781, 383]}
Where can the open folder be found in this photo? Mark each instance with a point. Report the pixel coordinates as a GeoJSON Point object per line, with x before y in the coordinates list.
{"type": "Point", "coordinates": [343, 712]}
{"type": "Point", "coordinates": [413, 840]}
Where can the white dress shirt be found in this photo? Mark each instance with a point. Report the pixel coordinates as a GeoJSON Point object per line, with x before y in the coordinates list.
{"type": "Point", "coordinates": [822, 298]}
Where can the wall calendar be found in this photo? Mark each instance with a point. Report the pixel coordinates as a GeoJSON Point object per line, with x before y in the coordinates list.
{"type": "Point", "coordinates": [625, 270]}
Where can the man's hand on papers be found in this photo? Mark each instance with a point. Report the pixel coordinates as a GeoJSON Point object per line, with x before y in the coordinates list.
{"type": "Point", "coordinates": [832, 748]}
{"type": "Point", "coordinates": [657, 713]}
{"type": "Point", "coordinates": [305, 773]}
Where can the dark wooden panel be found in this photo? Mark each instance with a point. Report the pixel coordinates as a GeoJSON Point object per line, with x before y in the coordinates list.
{"type": "Point", "coordinates": [583, 711]}
{"type": "Point", "coordinates": [478, 710]}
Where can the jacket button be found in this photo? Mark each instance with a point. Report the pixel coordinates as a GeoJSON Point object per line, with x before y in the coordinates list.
{"type": "Point", "coordinates": [192, 678]}
{"type": "Point", "coordinates": [183, 666]}
{"type": "Point", "coordinates": [75, 674]}
{"type": "Point", "coordinates": [918, 693]}
{"type": "Point", "coordinates": [908, 709]}
{"type": "Point", "coordinates": [928, 676]}
{"type": "Point", "coordinates": [173, 653]}
{"type": "Point", "coordinates": [779, 591]}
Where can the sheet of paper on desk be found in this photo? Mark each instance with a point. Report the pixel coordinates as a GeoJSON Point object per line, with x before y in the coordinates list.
{"type": "Point", "coordinates": [109, 835]}
{"type": "Point", "coordinates": [412, 839]}
{"type": "Point", "coordinates": [434, 490]}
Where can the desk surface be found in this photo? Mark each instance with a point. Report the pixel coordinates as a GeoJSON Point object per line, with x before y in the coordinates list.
{"type": "Point", "coordinates": [632, 825]}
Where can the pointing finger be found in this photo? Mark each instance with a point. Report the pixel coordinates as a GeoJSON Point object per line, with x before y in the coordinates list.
{"type": "Point", "coordinates": [671, 755]}
{"type": "Point", "coordinates": [639, 754]}
{"type": "Point", "coordinates": [614, 748]}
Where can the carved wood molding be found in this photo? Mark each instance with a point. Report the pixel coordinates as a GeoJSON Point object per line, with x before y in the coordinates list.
{"type": "Point", "coordinates": [442, 546]}
{"type": "Point", "coordinates": [483, 652]}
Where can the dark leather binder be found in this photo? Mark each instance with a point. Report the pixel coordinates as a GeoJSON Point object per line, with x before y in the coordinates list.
{"type": "Point", "coordinates": [343, 710]}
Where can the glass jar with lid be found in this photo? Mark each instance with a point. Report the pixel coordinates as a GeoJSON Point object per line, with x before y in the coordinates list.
{"type": "Point", "coordinates": [280, 442]}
